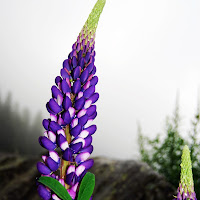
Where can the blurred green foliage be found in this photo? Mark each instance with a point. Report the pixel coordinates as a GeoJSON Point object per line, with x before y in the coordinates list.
{"type": "Point", "coordinates": [18, 131]}
{"type": "Point", "coordinates": [163, 153]}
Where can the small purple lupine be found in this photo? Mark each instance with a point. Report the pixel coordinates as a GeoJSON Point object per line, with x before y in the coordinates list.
{"type": "Point", "coordinates": [69, 130]}
{"type": "Point", "coordinates": [185, 190]}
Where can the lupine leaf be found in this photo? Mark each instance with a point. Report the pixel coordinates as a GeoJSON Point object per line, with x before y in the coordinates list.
{"type": "Point", "coordinates": [55, 186]}
{"type": "Point", "coordinates": [86, 187]}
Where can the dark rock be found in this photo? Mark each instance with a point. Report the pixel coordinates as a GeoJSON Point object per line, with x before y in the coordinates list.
{"type": "Point", "coordinates": [115, 180]}
{"type": "Point", "coordinates": [129, 180]}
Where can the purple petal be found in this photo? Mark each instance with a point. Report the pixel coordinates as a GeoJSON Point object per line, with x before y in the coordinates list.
{"type": "Point", "coordinates": [77, 140]}
{"type": "Point", "coordinates": [88, 164]}
{"type": "Point", "coordinates": [89, 92]}
{"type": "Point", "coordinates": [94, 70]}
{"type": "Point", "coordinates": [43, 169]}
{"type": "Point", "coordinates": [84, 76]}
{"type": "Point", "coordinates": [90, 77]}
{"type": "Point", "coordinates": [91, 110]}
{"type": "Point", "coordinates": [66, 117]}
{"type": "Point", "coordinates": [91, 129]}
{"type": "Point", "coordinates": [76, 87]}
{"type": "Point", "coordinates": [67, 155]}
{"type": "Point", "coordinates": [74, 62]}
{"type": "Point", "coordinates": [88, 141]}
{"type": "Point", "coordinates": [70, 55]}
{"type": "Point", "coordinates": [90, 67]}
{"type": "Point", "coordinates": [81, 63]}
{"type": "Point", "coordinates": [55, 92]}
{"type": "Point", "coordinates": [60, 140]}
{"type": "Point", "coordinates": [74, 46]}
{"type": "Point", "coordinates": [65, 87]}
{"type": "Point", "coordinates": [67, 65]}
{"type": "Point", "coordinates": [94, 80]}
{"type": "Point", "coordinates": [81, 176]}
{"type": "Point", "coordinates": [78, 47]}
{"type": "Point", "coordinates": [81, 157]}
{"type": "Point", "coordinates": [94, 53]}
{"type": "Point", "coordinates": [46, 123]}
{"type": "Point", "coordinates": [49, 110]}
{"type": "Point", "coordinates": [46, 143]}
{"type": "Point", "coordinates": [93, 116]}
{"type": "Point", "coordinates": [83, 120]}
{"type": "Point", "coordinates": [52, 164]}
{"type": "Point", "coordinates": [94, 97]}
{"type": "Point", "coordinates": [76, 147]}
{"type": "Point", "coordinates": [52, 104]}
{"type": "Point", "coordinates": [54, 126]}
{"type": "Point", "coordinates": [67, 103]}
{"type": "Point", "coordinates": [58, 79]}
{"type": "Point", "coordinates": [64, 73]}
{"type": "Point", "coordinates": [86, 86]}
{"type": "Point", "coordinates": [76, 130]}
{"type": "Point", "coordinates": [76, 72]}
{"type": "Point", "coordinates": [79, 103]}
{"type": "Point", "coordinates": [69, 178]}
{"type": "Point", "coordinates": [89, 149]}
{"type": "Point", "coordinates": [87, 57]}
{"type": "Point", "coordinates": [80, 56]}
{"type": "Point", "coordinates": [43, 192]}
{"type": "Point", "coordinates": [71, 193]}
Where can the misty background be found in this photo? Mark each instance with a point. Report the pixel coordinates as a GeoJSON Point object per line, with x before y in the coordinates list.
{"type": "Point", "coordinates": [146, 51]}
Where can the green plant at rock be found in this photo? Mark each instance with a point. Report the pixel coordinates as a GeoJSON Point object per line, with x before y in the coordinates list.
{"type": "Point", "coordinates": [164, 154]}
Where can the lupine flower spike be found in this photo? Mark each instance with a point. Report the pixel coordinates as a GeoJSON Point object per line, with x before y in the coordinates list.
{"type": "Point", "coordinates": [185, 190]}
{"type": "Point", "coordinates": [68, 131]}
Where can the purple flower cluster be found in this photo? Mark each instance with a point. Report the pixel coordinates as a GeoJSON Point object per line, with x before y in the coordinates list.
{"type": "Point", "coordinates": [72, 111]}
{"type": "Point", "coordinates": [185, 190]}
{"type": "Point", "coordinates": [184, 194]}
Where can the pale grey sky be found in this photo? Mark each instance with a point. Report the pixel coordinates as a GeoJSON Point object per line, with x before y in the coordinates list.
{"type": "Point", "coordinates": [145, 52]}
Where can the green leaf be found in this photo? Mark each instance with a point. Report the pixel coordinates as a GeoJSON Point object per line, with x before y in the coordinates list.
{"type": "Point", "coordinates": [55, 186]}
{"type": "Point", "coordinates": [86, 187]}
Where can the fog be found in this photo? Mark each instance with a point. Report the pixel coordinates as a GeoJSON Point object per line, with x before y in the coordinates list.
{"type": "Point", "coordinates": [146, 51]}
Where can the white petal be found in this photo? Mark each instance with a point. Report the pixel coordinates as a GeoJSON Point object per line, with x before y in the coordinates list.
{"type": "Point", "coordinates": [64, 145]}
{"type": "Point", "coordinates": [80, 169]}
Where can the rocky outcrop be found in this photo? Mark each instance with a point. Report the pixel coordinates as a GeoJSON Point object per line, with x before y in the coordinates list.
{"type": "Point", "coordinates": [115, 180]}
{"type": "Point", "coordinates": [129, 180]}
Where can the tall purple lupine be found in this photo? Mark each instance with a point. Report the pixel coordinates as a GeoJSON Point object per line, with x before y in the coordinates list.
{"type": "Point", "coordinates": [185, 190]}
{"type": "Point", "coordinates": [69, 130]}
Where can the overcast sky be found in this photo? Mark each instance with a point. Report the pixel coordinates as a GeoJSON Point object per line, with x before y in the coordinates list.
{"type": "Point", "coordinates": [145, 52]}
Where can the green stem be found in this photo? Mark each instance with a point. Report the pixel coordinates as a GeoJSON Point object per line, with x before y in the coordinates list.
{"type": "Point", "coordinates": [64, 163]}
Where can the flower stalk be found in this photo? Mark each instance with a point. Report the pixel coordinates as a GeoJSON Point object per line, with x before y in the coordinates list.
{"type": "Point", "coordinates": [68, 131]}
{"type": "Point", "coordinates": [185, 190]}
